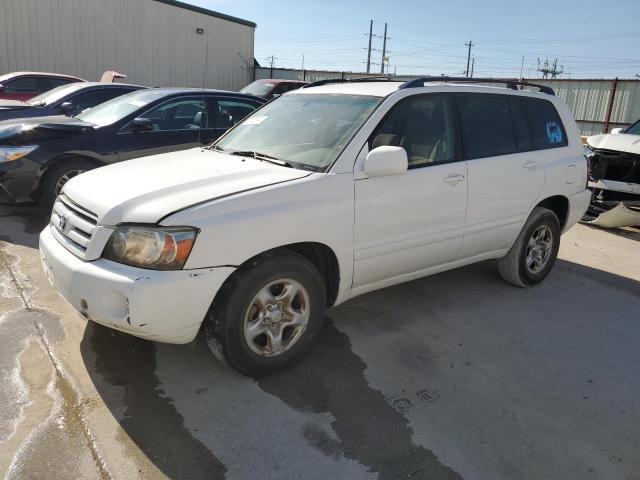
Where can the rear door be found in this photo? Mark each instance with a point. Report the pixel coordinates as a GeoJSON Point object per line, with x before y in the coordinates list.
{"type": "Point", "coordinates": [505, 177]}
{"type": "Point", "coordinates": [228, 111]}
{"type": "Point", "coordinates": [178, 123]}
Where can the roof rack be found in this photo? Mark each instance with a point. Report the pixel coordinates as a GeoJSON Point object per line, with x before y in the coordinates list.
{"type": "Point", "coordinates": [510, 83]}
{"type": "Point", "coordinates": [378, 78]}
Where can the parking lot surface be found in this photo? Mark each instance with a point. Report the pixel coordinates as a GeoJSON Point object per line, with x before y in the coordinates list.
{"type": "Point", "coordinates": [458, 375]}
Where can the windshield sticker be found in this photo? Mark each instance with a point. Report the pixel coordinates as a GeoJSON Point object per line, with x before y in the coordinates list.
{"type": "Point", "coordinates": [257, 120]}
{"type": "Point", "coordinates": [554, 132]}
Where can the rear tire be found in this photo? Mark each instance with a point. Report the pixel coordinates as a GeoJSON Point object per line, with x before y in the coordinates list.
{"type": "Point", "coordinates": [267, 315]}
{"type": "Point", "coordinates": [534, 252]}
{"type": "Point", "coordinates": [57, 175]}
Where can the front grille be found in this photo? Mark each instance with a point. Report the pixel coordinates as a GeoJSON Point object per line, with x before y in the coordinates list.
{"type": "Point", "coordinates": [72, 225]}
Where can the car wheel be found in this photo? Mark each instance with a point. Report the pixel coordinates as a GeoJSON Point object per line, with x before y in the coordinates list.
{"type": "Point", "coordinates": [534, 252]}
{"type": "Point", "coordinates": [267, 314]}
{"type": "Point", "coordinates": [57, 176]}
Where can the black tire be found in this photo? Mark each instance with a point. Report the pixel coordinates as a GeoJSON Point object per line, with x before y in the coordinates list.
{"type": "Point", "coordinates": [225, 322]}
{"type": "Point", "coordinates": [514, 267]}
{"type": "Point", "coordinates": [48, 186]}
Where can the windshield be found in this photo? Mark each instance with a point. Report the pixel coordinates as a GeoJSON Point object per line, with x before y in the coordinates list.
{"type": "Point", "coordinates": [117, 108]}
{"type": "Point", "coordinates": [634, 129]}
{"type": "Point", "coordinates": [307, 129]}
{"type": "Point", "coordinates": [258, 88]}
{"type": "Point", "coordinates": [51, 96]}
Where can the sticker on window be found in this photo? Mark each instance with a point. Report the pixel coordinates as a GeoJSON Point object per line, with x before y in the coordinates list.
{"type": "Point", "coordinates": [554, 132]}
{"type": "Point", "coordinates": [257, 120]}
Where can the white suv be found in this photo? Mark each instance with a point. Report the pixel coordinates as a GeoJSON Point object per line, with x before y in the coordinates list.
{"type": "Point", "coordinates": [326, 193]}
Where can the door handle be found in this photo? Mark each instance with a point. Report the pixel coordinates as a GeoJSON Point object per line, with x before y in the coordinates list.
{"type": "Point", "coordinates": [453, 179]}
{"type": "Point", "coordinates": [530, 164]}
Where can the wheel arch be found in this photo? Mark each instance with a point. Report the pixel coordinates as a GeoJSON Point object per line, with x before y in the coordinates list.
{"type": "Point", "coordinates": [318, 254]}
{"type": "Point", "coordinates": [558, 204]}
{"type": "Point", "coordinates": [64, 156]}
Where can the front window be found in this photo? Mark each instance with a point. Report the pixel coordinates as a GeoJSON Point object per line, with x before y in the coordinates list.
{"type": "Point", "coordinates": [118, 108]}
{"type": "Point", "coordinates": [54, 95]}
{"type": "Point", "coordinates": [634, 129]}
{"type": "Point", "coordinates": [258, 88]}
{"type": "Point", "coordinates": [305, 129]}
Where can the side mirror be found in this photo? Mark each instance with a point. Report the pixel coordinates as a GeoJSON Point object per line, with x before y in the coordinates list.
{"type": "Point", "coordinates": [386, 160]}
{"type": "Point", "coordinates": [141, 125]}
{"type": "Point", "coordinates": [617, 130]}
{"type": "Point", "coordinates": [66, 107]}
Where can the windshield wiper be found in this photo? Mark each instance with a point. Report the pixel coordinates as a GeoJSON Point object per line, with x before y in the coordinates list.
{"type": "Point", "coordinates": [262, 156]}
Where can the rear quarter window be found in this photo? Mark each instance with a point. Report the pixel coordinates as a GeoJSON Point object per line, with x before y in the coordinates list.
{"type": "Point", "coordinates": [547, 130]}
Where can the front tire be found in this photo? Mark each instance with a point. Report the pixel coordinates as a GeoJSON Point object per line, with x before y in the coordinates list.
{"type": "Point", "coordinates": [58, 175]}
{"type": "Point", "coordinates": [267, 314]}
{"type": "Point", "coordinates": [534, 252]}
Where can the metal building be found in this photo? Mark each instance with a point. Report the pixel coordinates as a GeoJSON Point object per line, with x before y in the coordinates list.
{"type": "Point", "coordinates": [153, 42]}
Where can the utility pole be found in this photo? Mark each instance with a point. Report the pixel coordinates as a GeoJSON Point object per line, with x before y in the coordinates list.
{"type": "Point", "coordinates": [271, 59]}
{"type": "Point", "coordinates": [369, 52]}
{"type": "Point", "coordinates": [473, 63]}
{"type": "Point", "coordinates": [522, 68]}
{"type": "Point", "coordinates": [384, 49]}
{"type": "Point", "coordinates": [470, 44]}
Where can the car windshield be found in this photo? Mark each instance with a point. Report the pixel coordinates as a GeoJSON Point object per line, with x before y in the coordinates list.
{"type": "Point", "coordinates": [305, 129]}
{"type": "Point", "coordinates": [51, 96]}
{"type": "Point", "coordinates": [117, 108]}
{"type": "Point", "coordinates": [258, 88]}
{"type": "Point", "coordinates": [634, 129]}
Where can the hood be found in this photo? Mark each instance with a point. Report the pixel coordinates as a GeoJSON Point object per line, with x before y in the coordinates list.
{"type": "Point", "coordinates": [13, 105]}
{"type": "Point", "coordinates": [20, 130]}
{"type": "Point", "coordinates": [147, 189]}
{"type": "Point", "coordinates": [619, 142]}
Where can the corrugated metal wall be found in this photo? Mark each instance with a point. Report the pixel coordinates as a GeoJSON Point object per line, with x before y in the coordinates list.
{"type": "Point", "coordinates": [589, 100]}
{"type": "Point", "coordinates": [152, 43]}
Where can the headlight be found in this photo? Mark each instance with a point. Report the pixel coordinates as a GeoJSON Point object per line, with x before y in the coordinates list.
{"type": "Point", "coordinates": [9, 154]}
{"type": "Point", "coordinates": [155, 248]}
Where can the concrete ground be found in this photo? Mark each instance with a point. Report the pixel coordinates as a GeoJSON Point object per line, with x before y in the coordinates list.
{"type": "Point", "coordinates": [454, 376]}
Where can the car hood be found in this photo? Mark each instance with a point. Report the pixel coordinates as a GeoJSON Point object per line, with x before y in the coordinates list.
{"type": "Point", "coordinates": [620, 142]}
{"type": "Point", "coordinates": [13, 105]}
{"type": "Point", "coordinates": [37, 128]}
{"type": "Point", "coordinates": [146, 190]}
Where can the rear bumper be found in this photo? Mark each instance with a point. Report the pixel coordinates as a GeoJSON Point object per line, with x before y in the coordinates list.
{"type": "Point", "coordinates": [161, 306]}
{"type": "Point", "coordinates": [578, 204]}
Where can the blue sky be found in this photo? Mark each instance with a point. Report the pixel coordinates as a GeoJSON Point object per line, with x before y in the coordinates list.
{"type": "Point", "coordinates": [591, 39]}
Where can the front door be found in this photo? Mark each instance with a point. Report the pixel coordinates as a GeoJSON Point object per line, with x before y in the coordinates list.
{"type": "Point", "coordinates": [409, 223]}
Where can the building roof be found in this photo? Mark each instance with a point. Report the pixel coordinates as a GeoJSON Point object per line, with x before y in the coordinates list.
{"type": "Point", "coordinates": [205, 11]}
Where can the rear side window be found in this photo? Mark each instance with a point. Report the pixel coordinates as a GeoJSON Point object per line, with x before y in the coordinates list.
{"type": "Point", "coordinates": [546, 127]}
{"type": "Point", "coordinates": [487, 125]}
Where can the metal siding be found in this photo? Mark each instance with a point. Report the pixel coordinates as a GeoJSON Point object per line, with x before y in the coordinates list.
{"type": "Point", "coordinates": [152, 43]}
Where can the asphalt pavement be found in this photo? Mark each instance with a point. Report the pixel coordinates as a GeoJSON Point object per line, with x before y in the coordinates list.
{"type": "Point", "coordinates": [458, 375]}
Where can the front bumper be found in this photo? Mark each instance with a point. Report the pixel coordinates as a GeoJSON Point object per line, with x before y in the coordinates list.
{"type": "Point", "coordinates": [18, 180]}
{"type": "Point", "coordinates": [161, 306]}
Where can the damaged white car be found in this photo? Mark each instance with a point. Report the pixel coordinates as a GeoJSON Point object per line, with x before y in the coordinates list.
{"type": "Point", "coordinates": [615, 178]}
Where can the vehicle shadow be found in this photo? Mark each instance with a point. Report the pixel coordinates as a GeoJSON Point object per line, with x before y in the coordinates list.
{"type": "Point", "coordinates": [632, 233]}
{"type": "Point", "coordinates": [22, 224]}
{"type": "Point", "coordinates": [192, 418]}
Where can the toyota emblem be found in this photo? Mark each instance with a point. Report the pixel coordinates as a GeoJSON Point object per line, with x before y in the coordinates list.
{"type": "Point", "coordinates": [63, 222]}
